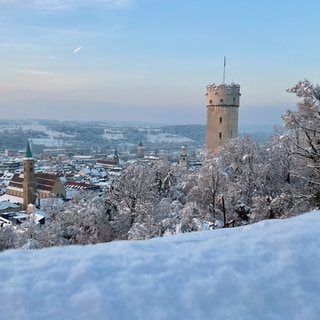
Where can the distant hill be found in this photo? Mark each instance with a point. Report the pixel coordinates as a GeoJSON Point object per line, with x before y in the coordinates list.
{"type": "Point", "coordinates": [48, 133]}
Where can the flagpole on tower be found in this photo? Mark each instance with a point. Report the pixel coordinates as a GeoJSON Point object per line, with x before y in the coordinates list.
{"type": "Point", "coordinates": [224, 70]}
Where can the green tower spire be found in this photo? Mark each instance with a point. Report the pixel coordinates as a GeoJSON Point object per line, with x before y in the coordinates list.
{"type": "Point", "coordinates": [28, 151]}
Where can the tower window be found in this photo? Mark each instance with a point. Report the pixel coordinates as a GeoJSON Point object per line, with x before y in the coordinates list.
{"type": "Point", "coordinates": [220, 119]}
{"type": "Point", "coordinates": [234, 99]}
{"type": "Point", "coordinates": [221, 100]}
{"type": "Point", "coordinates": [220, 135]}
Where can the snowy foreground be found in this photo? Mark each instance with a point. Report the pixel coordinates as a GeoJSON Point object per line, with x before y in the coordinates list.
{"type": "Point", "coordinates": [269, 270]}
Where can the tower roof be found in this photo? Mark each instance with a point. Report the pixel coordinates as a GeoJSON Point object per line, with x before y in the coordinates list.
{"type": "Point", "coordinates": [28, 151]}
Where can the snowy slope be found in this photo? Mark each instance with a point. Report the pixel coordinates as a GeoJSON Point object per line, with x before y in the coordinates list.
{"type": "Point", "coordinates": [270, 270]}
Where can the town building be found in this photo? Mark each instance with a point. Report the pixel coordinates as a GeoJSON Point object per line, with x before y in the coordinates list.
{"type": "Point", "coordinates": [10, 165]}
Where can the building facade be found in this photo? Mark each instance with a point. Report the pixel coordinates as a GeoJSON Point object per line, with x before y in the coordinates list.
{"type": "Point", "coordinates": [222, 103]}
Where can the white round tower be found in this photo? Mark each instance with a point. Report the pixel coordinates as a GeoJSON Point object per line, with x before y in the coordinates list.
{"type": "Point", "coordinates": [183, 157]}
{"type": "Point", "coordinates": [222, 114]}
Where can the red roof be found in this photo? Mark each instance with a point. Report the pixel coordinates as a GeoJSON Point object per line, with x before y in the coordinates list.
{"type": "Point", "coordinates": [44, 181]}
{"type": "Point", "coordinates": [78, 185]}
{"type": "Point", "coordinates": [16, 181]}
{"type": "Point", "coordinates": [106, 162]}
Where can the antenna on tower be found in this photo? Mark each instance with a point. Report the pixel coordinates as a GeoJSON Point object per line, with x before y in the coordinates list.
{"type": "Point", "coordinates": [224, 70]}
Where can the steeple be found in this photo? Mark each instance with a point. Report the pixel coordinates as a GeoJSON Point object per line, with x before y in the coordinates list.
{"type": "Point", "coordinates": [29, 182]}
{"type": "Point", "coordinates": [183, 157]}
{"type": "Point", "coordinates": [140, 150]}
{"type": "Point", "coordinates": [28, 151]}
{"type": "Point", "coordinates": [116, 157]}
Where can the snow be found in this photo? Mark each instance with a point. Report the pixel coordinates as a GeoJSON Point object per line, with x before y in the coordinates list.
{"type": "Point", "coordinates": [10, 198]}
{"type": "Point", "coordinates": [5, 205]}
{"type": "Point", "coordinates": [268, 270]}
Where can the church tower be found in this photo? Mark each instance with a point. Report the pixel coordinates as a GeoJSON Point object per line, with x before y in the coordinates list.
{"type": "Point", "coordinates": [116, 157]}
{"type": "Point", "coordinates": [140, 151]}
{"type": "Point", "coordinates": [29, 182]}
{"type": "Point", "coordinates": [222, 114]}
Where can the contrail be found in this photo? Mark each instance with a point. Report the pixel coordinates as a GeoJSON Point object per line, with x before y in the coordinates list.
{"type": "Point", "coordinates": [76, 50]}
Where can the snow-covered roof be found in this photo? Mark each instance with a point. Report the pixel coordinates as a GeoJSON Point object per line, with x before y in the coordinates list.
{"type": "Point", "coordinates": [13, 199]}
{"type": "Point", "coordinates": [4, 205]}
{"type": "Point", "coordinates": [85, 171]}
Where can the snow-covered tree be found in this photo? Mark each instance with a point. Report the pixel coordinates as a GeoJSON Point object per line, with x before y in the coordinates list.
{"type": "Point", "coordinates": [7, 237]}
{"type": "Point", "coordinates": [130, 198]}
{"type": "Point", "coordinates": [288, 193]}
{"type": "Point", "coordinates": [165, 178]}
{"type": "Point", "coordinates": [83, 220]}
{"type": "Point", "coordinates": [246, 166]}
{"type": "Point", "coordinates": [27, 232]}
{"type": "Point", "coordinates": [209, 187]}
{"type": "Point", "coordinates": [304, 125]}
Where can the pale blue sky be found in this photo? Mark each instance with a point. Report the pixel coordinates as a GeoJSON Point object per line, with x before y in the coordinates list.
{"type": "Point", "coordinates": [150, 60]}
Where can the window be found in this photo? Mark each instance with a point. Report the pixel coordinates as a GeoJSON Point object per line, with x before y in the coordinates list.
{"type": "Point", "coordinates": [221, 100]}
{"type": "Point", "coordinates": [220, 119]}
{"type": "Point", "coordinates": [220, 135]}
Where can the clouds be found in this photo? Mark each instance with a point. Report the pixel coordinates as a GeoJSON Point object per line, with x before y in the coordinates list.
{"type": "Point", "coordinates": [38, 82]}
{"type": "Point", "coordinates": [54, 5]}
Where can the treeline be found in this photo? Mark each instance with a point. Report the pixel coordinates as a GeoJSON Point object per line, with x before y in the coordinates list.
{"type": "Point", "coordinates": [16, 139]}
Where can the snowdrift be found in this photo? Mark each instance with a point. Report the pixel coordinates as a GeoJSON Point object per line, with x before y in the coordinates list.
{"type": "Point", "coordinates": [269, 270]}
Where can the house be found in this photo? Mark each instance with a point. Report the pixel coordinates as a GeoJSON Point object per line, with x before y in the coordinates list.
{"type": "Point", "coordinates": [73, 187]}
{"type": "Point", "coordinates": [80, 186]}
{"type": "Point", "coordinates": [7, 206]}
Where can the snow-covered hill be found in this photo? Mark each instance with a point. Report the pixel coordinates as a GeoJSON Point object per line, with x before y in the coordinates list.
{"type": "Point", "coordinates": [270, 270]}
